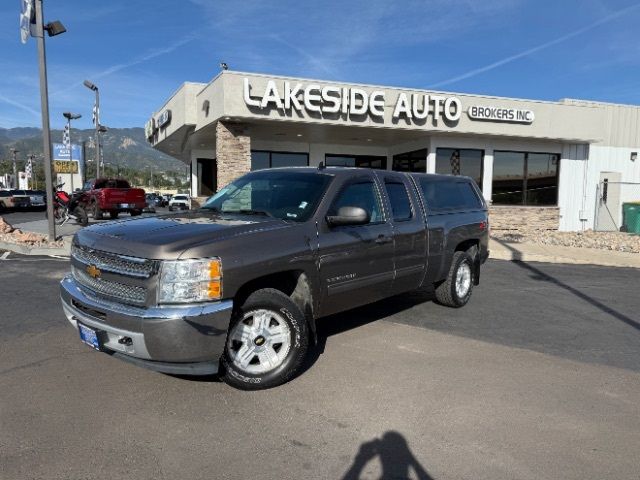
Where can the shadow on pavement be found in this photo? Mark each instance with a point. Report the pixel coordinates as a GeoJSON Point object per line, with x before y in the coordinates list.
{"type": "Point", "coordinates": [395, 457]}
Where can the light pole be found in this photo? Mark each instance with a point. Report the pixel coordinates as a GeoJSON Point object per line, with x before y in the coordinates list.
{"type": "Point", "coordinates": [71, 116]}
{"type": "Point", "coordinates": [150, 176]}
{"type": "Point", "coordinates": [96, 121]}
{"type": "Point", "coordinates": [52, 29]}
{"type": "Point", "coordinates": [14, 153]}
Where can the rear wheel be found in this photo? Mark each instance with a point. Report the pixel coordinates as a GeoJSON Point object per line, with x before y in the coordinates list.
{"type": "Point", "coordinates": [135, 213]}
{"type": "Point", "coordinates": [96, 212]}
{"type": "Point", "coordinates": [456, 290]}
{"type": "Point", "coordinates": [267, 342]}
{"type": "Point", "coordinates": [81, 216]}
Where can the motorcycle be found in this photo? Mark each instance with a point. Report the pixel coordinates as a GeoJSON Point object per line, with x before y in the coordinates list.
{"type": "Point", "coordinates": [67, 207]}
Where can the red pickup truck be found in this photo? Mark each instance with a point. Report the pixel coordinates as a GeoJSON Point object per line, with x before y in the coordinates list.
{"type": "Point", "coordinates": [113, 195]}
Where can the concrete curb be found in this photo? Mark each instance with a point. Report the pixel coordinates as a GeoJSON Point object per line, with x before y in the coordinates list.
{"type": "Point", "coordinates": [63, 251]}
{"type": "Point", "coordinates": [533, 257]}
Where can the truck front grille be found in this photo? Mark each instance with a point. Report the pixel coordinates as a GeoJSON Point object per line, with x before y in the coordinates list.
{"type": "Point", "coordinates": [120, 292]}
{"type": "Point", "coordinates": [111, 262]}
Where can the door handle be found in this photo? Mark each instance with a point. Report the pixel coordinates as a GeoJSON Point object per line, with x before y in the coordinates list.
{"type": "Point", "coordinates": [382, 239]}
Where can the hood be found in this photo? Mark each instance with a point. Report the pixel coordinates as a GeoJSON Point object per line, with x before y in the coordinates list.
{"type": "Point", "coordinates": [167, 236]}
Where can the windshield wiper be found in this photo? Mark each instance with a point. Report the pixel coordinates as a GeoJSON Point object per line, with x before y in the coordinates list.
{"type": "Point", "coordinates": [248, 212]}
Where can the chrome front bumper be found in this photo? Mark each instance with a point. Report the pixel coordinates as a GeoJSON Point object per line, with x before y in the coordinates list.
{"type": "Point", "coordinates": [159, 336]}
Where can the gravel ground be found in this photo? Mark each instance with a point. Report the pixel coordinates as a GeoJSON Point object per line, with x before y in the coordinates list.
{"type": "Point", "coordinates": [616, 241]}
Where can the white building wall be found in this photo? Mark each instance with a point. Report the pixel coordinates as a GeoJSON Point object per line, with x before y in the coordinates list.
{"type": "Point", "coordinates": [612, 159]}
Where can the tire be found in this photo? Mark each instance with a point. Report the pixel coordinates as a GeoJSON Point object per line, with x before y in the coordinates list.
{"type": "Point", "coordinates": [259, 362]}
{"type": "Point", "coordinates": [456, 290]}
{"type": "Point", "coordinates": [171, 209]}
{"type": "Point", "coordinates": [96, 211]}
{"type": "Point", "coordinates": [135, 213]}
{"type": "Point", "coordinates": [113, 214]}
{"type": "Point", "coordinates": [81, 216]}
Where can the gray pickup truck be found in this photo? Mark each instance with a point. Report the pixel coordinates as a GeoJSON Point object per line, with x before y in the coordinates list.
{"type": "Point", "coordinates": [236, 286]}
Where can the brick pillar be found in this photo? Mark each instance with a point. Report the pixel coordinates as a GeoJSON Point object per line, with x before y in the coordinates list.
{"type": "Point", "coordinates": [233, 151]}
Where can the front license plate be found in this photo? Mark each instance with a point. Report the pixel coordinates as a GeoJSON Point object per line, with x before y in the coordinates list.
{"type": "Point", "coordinates": [89, 336]}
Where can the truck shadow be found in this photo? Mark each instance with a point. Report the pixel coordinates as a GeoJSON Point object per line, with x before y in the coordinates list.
{"type": "Point", "coordinates": [357, 317]}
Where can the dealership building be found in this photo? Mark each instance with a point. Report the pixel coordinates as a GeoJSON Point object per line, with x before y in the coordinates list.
{"type": "Point", "coordinates": [537, 162]}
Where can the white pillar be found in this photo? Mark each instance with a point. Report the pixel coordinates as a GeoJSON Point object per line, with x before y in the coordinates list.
{"type": "Point", "coordinates": [487, 175]}
{"type": "Point", "coordinates": [194, 175]}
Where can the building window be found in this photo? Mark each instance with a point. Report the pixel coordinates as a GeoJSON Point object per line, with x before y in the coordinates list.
{"type": "Point", "coordinates": [261, 159]}
{"type": "Point", "coordinates": [415, 161]}
{"type": "Point", "coordinates": [363, 161]}
{"type": "Point", "coordinates": [525, 178]}
{"type": "Point", "coordinates": [460, 161]}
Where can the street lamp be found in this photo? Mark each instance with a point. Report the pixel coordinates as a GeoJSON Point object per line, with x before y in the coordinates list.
{"type": "Point", "coordinates": [71, 116]}
{"type": "Point", "coordinates": [96, 121]}
{"type": "Point", "coordinates": [15, 167]}
{"type": "Point", "coordinates": [53, 28]}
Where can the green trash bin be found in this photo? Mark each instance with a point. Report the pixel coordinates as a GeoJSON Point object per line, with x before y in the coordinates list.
{"type": "Point", "coordinates": [631, 217]}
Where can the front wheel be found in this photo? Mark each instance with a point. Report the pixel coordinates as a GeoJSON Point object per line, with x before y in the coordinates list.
{"type": "Point", "coordinates": [456, 290]}
{"type": "Point", "coordinates": [267, 342]}
{"type": "Point", "coordinates": [59, 214]}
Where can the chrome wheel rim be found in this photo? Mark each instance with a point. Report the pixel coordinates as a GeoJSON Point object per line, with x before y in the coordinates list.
{"type": "Point", "coordinates": [259, 342]}
{"type": "Point", "coordinates": [463, 280]}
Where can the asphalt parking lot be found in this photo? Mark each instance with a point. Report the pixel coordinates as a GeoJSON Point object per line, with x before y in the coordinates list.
{"type": "Point", "coordinates": [537, 378]}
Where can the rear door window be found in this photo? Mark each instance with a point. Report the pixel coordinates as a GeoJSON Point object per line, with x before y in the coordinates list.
{"type": "Point", "coordinates": [399, 200]}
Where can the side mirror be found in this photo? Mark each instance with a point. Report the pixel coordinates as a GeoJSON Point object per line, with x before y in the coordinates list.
{"type": "Point", "coordinates": [348, 216]}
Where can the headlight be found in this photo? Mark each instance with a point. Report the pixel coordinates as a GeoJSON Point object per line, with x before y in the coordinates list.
{"type": "Point", "coordinates": [189, 281]}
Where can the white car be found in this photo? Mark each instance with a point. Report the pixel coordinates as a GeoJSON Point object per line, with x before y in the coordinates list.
{"type": "Point", "coordinates": [181, 202]}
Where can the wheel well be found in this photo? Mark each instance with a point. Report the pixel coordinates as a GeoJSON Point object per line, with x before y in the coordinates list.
{"type": "Point", "coordinates": [466, 245]}
{"type": "Point", "coordinates": [293, 283]}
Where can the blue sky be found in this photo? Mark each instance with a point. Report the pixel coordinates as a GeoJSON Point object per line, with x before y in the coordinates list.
{"type": "Point", "coordinates": [139, 52]}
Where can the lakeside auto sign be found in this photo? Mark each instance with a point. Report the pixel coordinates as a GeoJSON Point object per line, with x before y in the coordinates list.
{"type": "Point", "coordinates": [354, 101]}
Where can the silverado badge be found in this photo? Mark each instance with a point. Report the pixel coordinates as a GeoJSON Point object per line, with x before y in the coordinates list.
{"type": "Point", "coordinates": [93, 271]}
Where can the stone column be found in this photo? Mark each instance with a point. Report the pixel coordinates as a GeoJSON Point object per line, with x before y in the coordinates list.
{"type": "Point", "coordinates": [233, 151]}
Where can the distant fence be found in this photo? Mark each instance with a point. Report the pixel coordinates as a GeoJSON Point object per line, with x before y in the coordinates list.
{"type": "Point", "coordinates": [613, 212]}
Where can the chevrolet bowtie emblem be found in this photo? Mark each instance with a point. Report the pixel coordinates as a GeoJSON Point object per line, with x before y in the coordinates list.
{"type": "Point", "coordinates": [93, 271]}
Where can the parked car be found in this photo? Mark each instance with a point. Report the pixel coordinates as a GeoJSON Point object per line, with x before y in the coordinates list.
{"type": "Point", "coordinates": [14, 199]}
{"type": "Point", "coordinates": [113, 195]}
{"type": "Point", "coordinates": [37, 198]}
{"type": "Point", "coordinates": [236, 287]}
{"type": "Point", "coordinates": [180, 202]}
{"type": "Point", "coordinates": [154, 200]}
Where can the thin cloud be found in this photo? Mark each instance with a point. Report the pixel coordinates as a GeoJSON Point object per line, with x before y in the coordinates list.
{"type": "Point", "coordinates": [530, 51]}
{"type": "Point", "coordinates": [22, 106]}
{"type": "Point", "coordinates": [136, 61]}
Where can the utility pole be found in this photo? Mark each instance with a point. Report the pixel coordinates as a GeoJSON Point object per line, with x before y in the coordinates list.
{"type": "Point", "coordinates": [14, 153]}
{"type": "Point", "coordinates": [52, 29]}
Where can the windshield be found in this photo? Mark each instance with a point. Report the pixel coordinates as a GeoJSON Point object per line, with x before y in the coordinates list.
{"type": "Point", "coordinates": [286, 195]}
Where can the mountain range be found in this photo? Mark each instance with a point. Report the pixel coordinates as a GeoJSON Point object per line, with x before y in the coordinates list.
{"type": "Point", "coordinates": [123, 146]}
